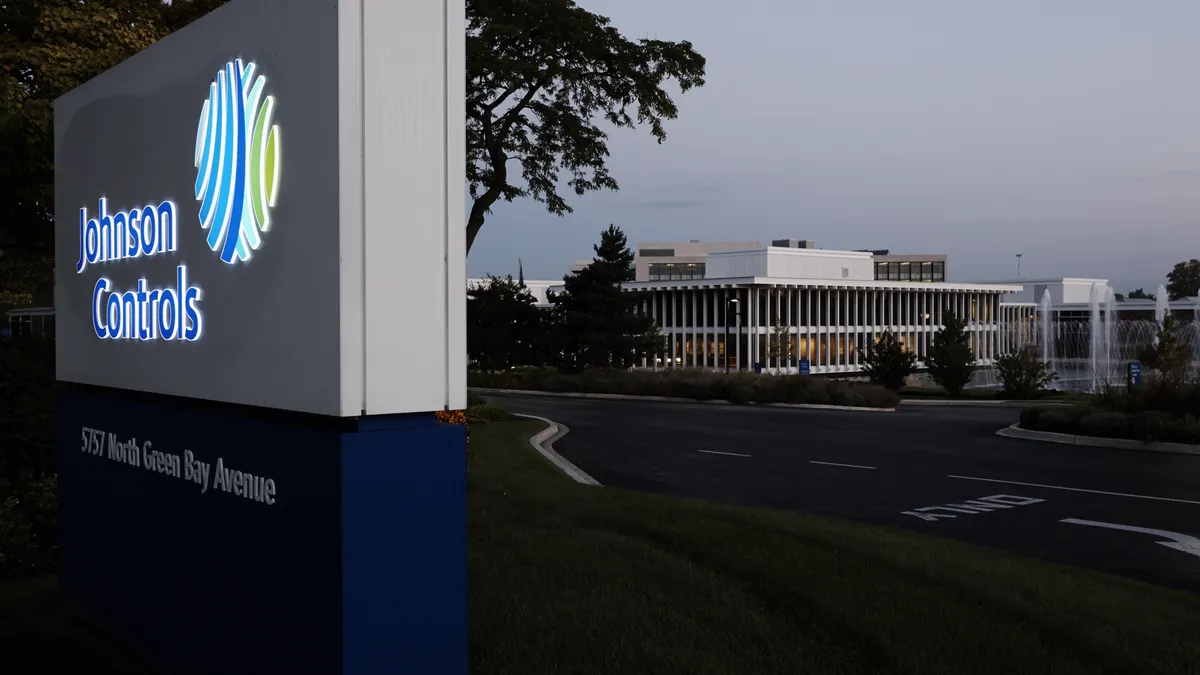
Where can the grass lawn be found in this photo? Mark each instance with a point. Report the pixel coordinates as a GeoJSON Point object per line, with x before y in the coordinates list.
{"type": "Point", "coordinates": [571, 579]}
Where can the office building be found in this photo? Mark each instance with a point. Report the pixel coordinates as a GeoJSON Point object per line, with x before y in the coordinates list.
{"type": "Point", "coordinates": [829, 303]}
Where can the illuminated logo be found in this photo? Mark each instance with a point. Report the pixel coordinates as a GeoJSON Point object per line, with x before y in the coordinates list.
{"type": "Point", "coordinates": [147, 313]}
{"type": "Point", "coordinates": [237, 162]}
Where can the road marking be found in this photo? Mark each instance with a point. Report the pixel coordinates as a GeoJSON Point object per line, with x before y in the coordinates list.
{"type": "Point", "coordinates": [851, 466]}
{"type": "Point", "coordinates": [1071, 489]}
{"type": "Point", "coordinates": [727, 454]}
{"type": "Point", "coordinates": [972, 506]}
{"type": "Point", "coordinates": [1180, 542]}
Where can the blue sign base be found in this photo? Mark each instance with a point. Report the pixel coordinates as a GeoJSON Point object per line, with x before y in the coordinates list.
{"type": "Point", "coordinates": [210, 538]}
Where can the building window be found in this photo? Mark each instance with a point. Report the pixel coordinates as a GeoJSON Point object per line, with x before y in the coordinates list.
{"type": "Point", "coordinates": [927, 271]}
{"type": "Point", "coordinates": [939, 270]}
{"type": "Point", "coordinates": [675, 271]}
{"type": "Point", "coordinates": [893, 271]}
{"type": "Point", "coordinates": [657, 253]}
{"type": "Point", "coordinates": [881, 271]}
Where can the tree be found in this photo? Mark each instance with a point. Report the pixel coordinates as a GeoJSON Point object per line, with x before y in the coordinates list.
{"type": "Point", "coordinates": [599, 325]}
{"type": "Point", "coordinates": [1023, 373]}
{"type": "Point", "coordinates": [779, 345]}
{"type": "Point", "coordinates": [1184, 280]}
{"type": "Point", "coordinates": [888, 363]}
{"type": "Point", "coordinates": [504, 326]}
{"type": "Point", "coordinates": [47, 48]}
{"type": "Point", "coordinates": [1170, 356]}
{"type": "Point", "coordinates": [541, 75]}
{"type": "Point", "coordinates": [951, 361]}
{"type": "Point", "coordinates": [1140, 294]}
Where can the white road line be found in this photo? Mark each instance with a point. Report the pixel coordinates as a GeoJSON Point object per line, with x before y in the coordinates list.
{"type": "Point", "coordinates": [728, 454]}
{"type": "Point", "coordinates": [849, 466]}
{"type": "Point", "coordinates": [1179, 542]}
{"type": "Point", "coordinates": [1071, 489]}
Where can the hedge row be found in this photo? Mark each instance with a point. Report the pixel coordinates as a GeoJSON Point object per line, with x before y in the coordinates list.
{"type": "Point", "coordinates": [1148, 426]}
{"type": "Point", "coordinates": [700, 385]}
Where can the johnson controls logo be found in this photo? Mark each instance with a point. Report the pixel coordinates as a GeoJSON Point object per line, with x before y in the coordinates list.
{"type": "Point", "coordinates": [237, 162]}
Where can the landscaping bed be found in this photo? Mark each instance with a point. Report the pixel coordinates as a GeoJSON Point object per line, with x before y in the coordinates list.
{"type": "Point", "coordinates": [699, 385]}
{"type": "Point", "coordinates": [1162, 412]}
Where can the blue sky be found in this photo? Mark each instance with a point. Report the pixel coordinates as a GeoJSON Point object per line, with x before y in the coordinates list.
{"type": "Point", "coordinates": [1067, 131]}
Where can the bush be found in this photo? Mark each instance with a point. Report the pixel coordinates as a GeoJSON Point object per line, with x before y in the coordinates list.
{"type": "Point", "coordinates": [26, 411]}
{"type": "Point", "coordinates": [29, 528]}
{"type": "Point", "coordinates": [487, 412]}
{"type": "Point", "coordinates": [701, 385]}
{"type": "Point", "coordinates": [1106, 425]}
{"type": "Point", "coordinates": [1148, 426]}
{"type": "Point", "coordinates": [1024, 375]}
{"type": "Point", "coordinates": [887, 363]}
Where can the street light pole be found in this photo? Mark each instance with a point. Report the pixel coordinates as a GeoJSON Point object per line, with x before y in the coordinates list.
{"type": "Point", "coordinates": [729, 303]}
{"type": "Point", "coordinates": [1018, 267]}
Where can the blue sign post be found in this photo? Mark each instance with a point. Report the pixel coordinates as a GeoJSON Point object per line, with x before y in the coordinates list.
{"type": "Point", "coordinates": [805, 369]}
{"type": "Point", "coordinates": [1134, 377]}
{"type": "Point", "coordinates": [222, 539]}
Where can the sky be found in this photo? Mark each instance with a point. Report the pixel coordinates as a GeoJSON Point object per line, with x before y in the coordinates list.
{"type": "Point", "coordinates": [1066, 131]}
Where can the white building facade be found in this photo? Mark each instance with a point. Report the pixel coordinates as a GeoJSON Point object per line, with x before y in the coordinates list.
{"type": "Point", "coordinates": [828, 302]}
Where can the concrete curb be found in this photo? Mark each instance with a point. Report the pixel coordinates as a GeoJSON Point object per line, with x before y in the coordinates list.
{"type": "Point", "coordinates": [985, 403]}
{"type": "Point", "coordinates": [1016, 431]}
{"type": "Point", "coordinates": [543, 442]}
{"type": "Point", "coordinates": [671, 399]}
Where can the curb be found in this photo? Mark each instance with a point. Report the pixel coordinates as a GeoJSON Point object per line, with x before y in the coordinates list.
{"type": "Point", "coordinates": [671, 399]}
{"type": "Point", "coordinates": [543, 442]}
{"type": "Point", "coordinates": [959, 403]}
{"type": "Point", "coordinates": [1016, 431]}
{"type": "Point", "coordinates": [968, 403]}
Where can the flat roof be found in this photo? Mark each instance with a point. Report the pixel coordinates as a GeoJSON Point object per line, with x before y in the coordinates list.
{"type": "Point", "coordinates": [818, 283]}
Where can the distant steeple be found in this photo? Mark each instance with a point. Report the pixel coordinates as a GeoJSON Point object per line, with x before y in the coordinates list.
{"type": "Point", "coordinates": [520, 274]}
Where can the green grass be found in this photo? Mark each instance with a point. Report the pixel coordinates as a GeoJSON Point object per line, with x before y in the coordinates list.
{"type": "Point", "coordinates": [572, 579]}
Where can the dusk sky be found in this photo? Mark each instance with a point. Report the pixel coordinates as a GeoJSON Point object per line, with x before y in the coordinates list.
{"type": "Point", "coordinates": [1067, 131]}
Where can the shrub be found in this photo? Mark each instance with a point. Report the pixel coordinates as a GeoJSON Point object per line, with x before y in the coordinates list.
{"type": "Point", "coordinates": [26, 411]}
{"type": "Point", "coordinates": [701, 385]}
{"type": "Point", "coordinates": [951, 361]}
{"type": "Point", "coordinates": [29, 528]}
{"type": "Point", "coordinates": [1024, 375]}
{"type": "Point", "coordinates": [1106, 425]}
{"type": "Point", "coordinates": [487, 412]}
{"type": "Point", "coordinates": [887, 363]}
{"type": "Point", "coordinates": [1153, 425]}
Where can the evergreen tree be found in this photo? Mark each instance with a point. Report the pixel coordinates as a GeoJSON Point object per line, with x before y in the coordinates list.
{"type": "Point", "coordinates": [887, 363]}
{"type": "Point", "coordinates": [504, 326]}
{"type": "Point", "coordinates": [950, 361]}
{"type": "Point", "coordinates": [599, 324]}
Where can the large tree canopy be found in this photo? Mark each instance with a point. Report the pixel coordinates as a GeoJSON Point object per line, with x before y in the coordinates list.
{"type": "Point", "coordinates": [47, 48]}
{"type": "Point", "coordinates": [542, 76]}
{"type": "Point", "coordinates": [1184, 280]}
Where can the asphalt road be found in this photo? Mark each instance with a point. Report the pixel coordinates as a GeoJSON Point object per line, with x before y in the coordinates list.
{"type": "Point", "coordinates": [940, 471]}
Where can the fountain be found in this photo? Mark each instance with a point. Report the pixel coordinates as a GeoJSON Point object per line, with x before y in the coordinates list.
{"type": "Point", "coordinates": [1161, 308]}
{"type": "Point", "coordinates": [1046, 317]}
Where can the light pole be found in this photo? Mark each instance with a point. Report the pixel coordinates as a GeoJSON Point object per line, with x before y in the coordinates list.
{"type": "Point", "coordinates": [731, 303]}
{"type": "Point", "coordinates": [1018, 267]}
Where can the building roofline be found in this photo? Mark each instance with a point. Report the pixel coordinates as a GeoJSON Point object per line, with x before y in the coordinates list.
{"type": "Point", "coordinates": [818, 283]}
